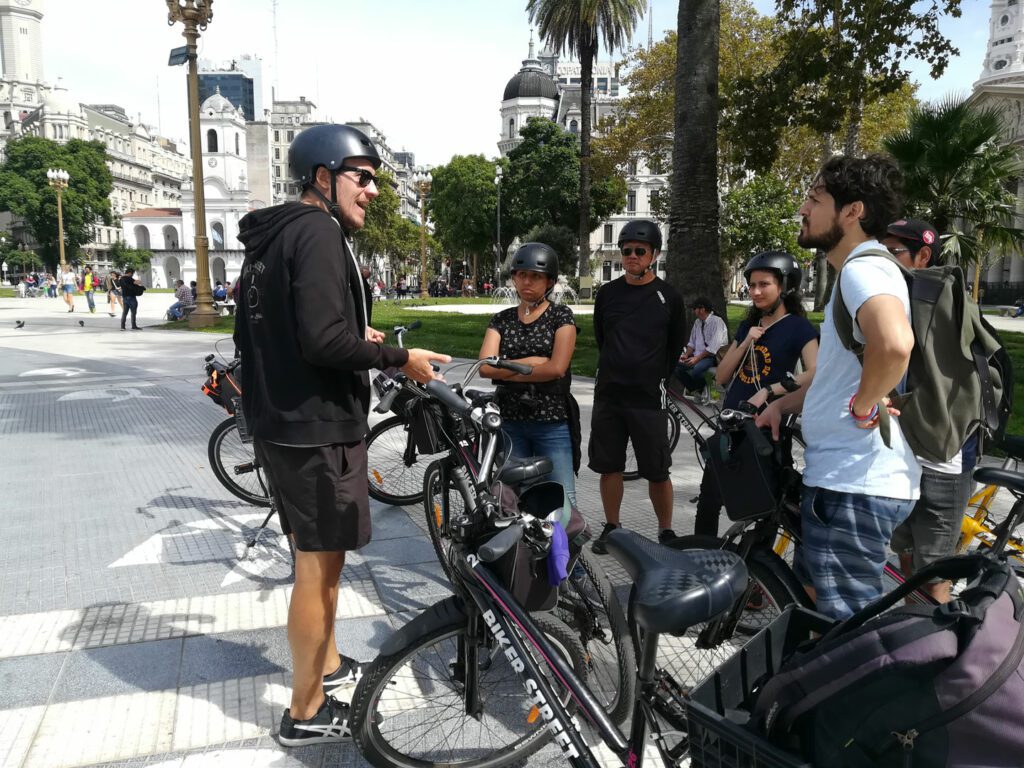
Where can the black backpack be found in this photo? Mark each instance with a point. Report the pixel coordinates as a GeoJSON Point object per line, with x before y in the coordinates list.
{"type": "Point", "coordinates": [911, 687]}
{"type": "Point", "coordinates": [956, 381]}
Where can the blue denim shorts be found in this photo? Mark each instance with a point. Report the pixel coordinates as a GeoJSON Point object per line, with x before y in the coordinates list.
{"type": "Point", "coordinates": [844, 546]}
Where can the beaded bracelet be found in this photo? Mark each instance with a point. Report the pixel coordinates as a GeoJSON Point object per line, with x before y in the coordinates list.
{"type": "Point", "coordinates": [871, 414]}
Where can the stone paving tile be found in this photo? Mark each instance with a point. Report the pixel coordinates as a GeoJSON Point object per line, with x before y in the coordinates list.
{"type": "Point", "coordinates": [28, 681]}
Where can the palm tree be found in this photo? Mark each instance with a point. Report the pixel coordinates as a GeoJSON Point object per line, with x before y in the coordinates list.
{"type": "Point", "coordinates": [962, 178]}
{"type": "Point", "coordinates": [694, 266]}
{"type": "Point", "coordinates": [579, 26]}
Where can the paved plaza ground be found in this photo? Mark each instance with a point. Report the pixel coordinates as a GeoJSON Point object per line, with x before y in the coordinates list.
{"type": "Point", "coordinates": [131, 633]}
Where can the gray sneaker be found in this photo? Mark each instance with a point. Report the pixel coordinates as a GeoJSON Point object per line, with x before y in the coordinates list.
{"type": "Point", "coordinates": [329, 725]}
{"type": "Point", "coordinates": [340, 683]}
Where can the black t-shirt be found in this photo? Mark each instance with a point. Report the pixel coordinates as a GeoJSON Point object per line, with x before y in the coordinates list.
{"type": "Point", "coordinates": [776, 353]}
{"type": "Point", "coordinates": [640, 332]}
{"type": "Point", "coordinates": [536, 339]}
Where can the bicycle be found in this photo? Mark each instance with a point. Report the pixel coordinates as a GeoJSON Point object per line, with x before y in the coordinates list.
{"type": "Point", "coordinates": [230, 451]}
{"type": "Point", "coordinates": [443, 690]}
{"type": "Point", "coordinates": [586, 601]}
{"type": "Point", "coordinates": [394, 465]}
{"type": "Point", "coordinates": [698, 425]}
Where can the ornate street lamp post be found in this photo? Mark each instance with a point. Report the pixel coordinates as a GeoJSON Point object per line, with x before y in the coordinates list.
{"type": "Point", "coordinates": [195, 15]}
{"type": "Point", "coordinates": [497, 250]}
{"type": "Point", "coordinates": [423, 178]}
{"type": "Point", "coordinates": [58, 179]}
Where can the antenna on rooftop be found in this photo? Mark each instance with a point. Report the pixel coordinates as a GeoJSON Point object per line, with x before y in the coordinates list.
{"type": "Point", "coordinates": [276, 58]}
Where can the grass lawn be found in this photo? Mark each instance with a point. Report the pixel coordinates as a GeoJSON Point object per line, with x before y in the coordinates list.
{"type": "Point", "coordinates": [460, 336]}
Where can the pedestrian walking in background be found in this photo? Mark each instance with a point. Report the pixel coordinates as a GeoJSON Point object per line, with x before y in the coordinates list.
{"type": "Point", "coordinates": [638, 325]}
{"type": "Point", "coordinates": [88, 286]}
{"type": "Point", "coordinates": [131, 289]}
{"type": "Point", "coordinates": [69, 282]}
{"type": "Point", "coordinates": [113, 286]}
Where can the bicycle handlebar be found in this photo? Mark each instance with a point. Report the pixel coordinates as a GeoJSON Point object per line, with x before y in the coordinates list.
{"type": "Point", "coordinates": [731, 418]}
{"type": "Point", "coordinates": [451, 400]}
{"type": "Point", "coordinates": [501, 543]}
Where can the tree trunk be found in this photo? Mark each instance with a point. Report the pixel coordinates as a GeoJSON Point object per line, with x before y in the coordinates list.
{"type": "Point", "coordinates": [855, 117]}
{"type": "Point", "coordinates": [694, 264]}
{"type": "Point", "coordinates": [588, 52]}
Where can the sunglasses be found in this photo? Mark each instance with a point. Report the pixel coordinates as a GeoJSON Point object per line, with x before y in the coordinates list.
{"type": "Point", "coordinates": [631, 251]}
{"type": "Point", "coordinates": [365, 176]}
{"type": "Point", "coordinates": [896, 250]}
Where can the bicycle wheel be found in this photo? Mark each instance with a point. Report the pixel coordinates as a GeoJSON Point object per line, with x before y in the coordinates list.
{"type": "Point", "coordinates": [391, 479]}
{"type": "Point", "coordinates": [409, 708]}
{"type": "Point", "coordinates": [689, 658]}
{"type": "Point", "coordinates": [234, 463]}
{"type": "Point", "coordinates": [440, 504]}
{"type": "Point", "coordinates": [631, 472]}
{"type": "Point", "coordinates": [588, 605]}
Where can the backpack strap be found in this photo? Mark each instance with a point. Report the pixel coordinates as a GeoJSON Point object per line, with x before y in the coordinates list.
{"type": "Point", "coordinates": [843, 322]}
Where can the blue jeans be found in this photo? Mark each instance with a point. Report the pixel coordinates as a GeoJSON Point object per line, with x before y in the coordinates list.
{"type": "Point", "coordinates": [90, 301]}
{"type": "Point", "coordinates": [551, 439]}
{"type": "Point", "coordinates": [692, 376]}
{"type": "Point", "coordinates": [175, 310]}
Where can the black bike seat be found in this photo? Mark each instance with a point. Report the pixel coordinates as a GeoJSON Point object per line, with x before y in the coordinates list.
{"type": "Point", "coordinates": [676, 589]}
{"type": "Point", "coordinates": [1014, 446]}
{"type": "Point", "coordinates": [518, 471]}
{"type": "Point", "coordinates": [1006, 478]}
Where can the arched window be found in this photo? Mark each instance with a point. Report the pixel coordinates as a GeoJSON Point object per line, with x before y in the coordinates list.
{"type": "Point", "coordinates": [238, 151]}
{"type": "Point", "coordinates": [211, 141]}
{"type": "Point", "coordinates": [574, 127]}
{"type": "Point", "coordinates": [512, 128]}
{"type": "Point", "coordinates": [141, 237]}
{"type": "Point", "coordinates": [170, 238]}
{"type": "Point", "coordinates": [217, 233]}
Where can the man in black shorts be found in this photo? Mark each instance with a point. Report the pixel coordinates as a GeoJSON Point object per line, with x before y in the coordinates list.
{"type": "Point", "coordinates": [306, 345]}
{"type": "Point", "coordinates": [638, 324]}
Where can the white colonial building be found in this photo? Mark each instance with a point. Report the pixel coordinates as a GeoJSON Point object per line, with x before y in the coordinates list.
{"type": "Point", "coordinates": [549, 88]}
{"type": "Point", "coordinates": [1002, 85]}
{"type": "Point", "coordinates": [170, 232]}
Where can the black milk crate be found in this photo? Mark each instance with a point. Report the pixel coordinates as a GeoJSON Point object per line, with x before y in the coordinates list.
{"type": "Point", "coordinates": [716, 710]}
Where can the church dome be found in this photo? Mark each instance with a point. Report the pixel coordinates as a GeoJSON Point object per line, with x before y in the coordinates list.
{"type": "Point", "coordinates": [58, 101]}
{"type": "Point", "coordinates": [531, 82]}
{"type": "Point", "coordinates": [217, 104]}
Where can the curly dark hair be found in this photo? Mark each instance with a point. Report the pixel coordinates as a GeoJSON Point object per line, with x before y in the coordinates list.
{"type": "Point", "coordinates": [791, 302]}
{"type": "Point", "coordinates": [875, 180]}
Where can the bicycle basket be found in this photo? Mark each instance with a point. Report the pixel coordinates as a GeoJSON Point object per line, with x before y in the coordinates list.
{"type": "Point", "coordinates": [748, 482]}
{"type": "Point", "coordinates": [525, 575]}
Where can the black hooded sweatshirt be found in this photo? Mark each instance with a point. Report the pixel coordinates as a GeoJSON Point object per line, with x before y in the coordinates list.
{"type": "Point", "coordinates": [300, 329]}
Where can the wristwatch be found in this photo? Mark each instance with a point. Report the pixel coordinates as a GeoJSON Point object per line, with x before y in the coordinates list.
{"type": "Point", "coordinates": [790, 384]}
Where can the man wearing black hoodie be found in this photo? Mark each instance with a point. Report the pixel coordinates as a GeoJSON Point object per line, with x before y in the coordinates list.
{"type": "Point", "coordinates": [306, 344]}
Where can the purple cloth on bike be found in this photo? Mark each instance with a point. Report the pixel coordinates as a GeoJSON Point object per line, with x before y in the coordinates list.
{"type": "Point", "coordinates": [558, 556]}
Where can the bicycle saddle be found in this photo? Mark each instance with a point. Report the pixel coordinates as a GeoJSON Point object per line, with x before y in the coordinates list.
{"type": "Point", "coordinates": [676, 589]}
{"type": "Point", "coordinates": [1006, 478]}
{"type": "Point", "coordinates": [517, 471]}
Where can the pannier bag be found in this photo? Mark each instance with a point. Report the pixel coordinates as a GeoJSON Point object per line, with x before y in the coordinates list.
{"type": "Point", "coordinates": [223, 387]}
{"type": "Point", "coordinates": [911, 687]}
{"type": "Point", "coordinates": [748, 482]}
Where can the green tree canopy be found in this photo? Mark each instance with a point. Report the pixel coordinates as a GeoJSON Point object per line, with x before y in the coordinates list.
{"type": "Point", "coordinates": [961, 178]}
{"type": "Point", "coordinates": [759, 216]}
{"type": "Point", "coordinates": [24, 190]}
{"type": "Point", "coordinates": [463, 205]}
{"type": "Point", "coordinates": [122, 256]}
{"type": "Point", "coordinates": [541, 184]}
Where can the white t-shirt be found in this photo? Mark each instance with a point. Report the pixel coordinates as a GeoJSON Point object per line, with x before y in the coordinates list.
{"type": "Point", "coordinates": [839, 455]}
{"type": "Point", "coordinates": [69, 278]}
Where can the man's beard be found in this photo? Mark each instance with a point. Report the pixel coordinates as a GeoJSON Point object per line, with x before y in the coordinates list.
{"type": "Point", "coordinates": [824, 241]}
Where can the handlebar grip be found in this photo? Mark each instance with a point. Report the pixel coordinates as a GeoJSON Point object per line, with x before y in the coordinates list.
{"type": "Point", "coordinates": [521, 368]}
{"type": "Point", "coordinates": [389, 397]}
{"type": "Point", "coordinates": [500, 544]}
{"type": "Point", "coordinates": [441, 391]}
{"type": "Point", "coordinates": [761, 445]}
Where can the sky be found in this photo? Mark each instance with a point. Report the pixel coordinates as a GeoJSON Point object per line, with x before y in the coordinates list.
{"type": "Point", "coordinates": [428, 73]}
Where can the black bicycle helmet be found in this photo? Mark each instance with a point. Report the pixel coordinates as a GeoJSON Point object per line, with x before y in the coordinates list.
{"type": "Point", "coordinates": [641, 231]}
{"type": "Point", "coordinates": [329, 146]}
{"type": "Point", "coordinates": [535, 257]}
{"type": "Point", "coordinates": [781, 263]}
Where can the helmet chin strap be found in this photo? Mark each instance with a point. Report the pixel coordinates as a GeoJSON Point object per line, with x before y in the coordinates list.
{"type": "Point", "coordinates": [332, 204]}
{"type": "Point", "coordinates": [641, 276]}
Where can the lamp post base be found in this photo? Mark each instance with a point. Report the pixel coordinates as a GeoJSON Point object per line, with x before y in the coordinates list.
{"type": "Point", "coordinates": [203, 317]}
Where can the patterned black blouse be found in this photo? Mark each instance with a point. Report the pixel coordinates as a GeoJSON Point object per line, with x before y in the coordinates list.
{"type": "Point", "coordinates": [536, 339]}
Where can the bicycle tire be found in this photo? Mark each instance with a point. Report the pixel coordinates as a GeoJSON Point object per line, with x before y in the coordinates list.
{"type": "Point", "coordinates": [588, 605]}
{"type": "Point", "coordinates": [631, 472]}
{"type": "Point", "coordinates": [390, 480]}
{"type": "Point", "coordinates": [433, 510]}
{"type": "Point", "coordinates": [689, 664]}
{"type": "Point", "coordinates": [385, 708]}
{"type": "Point", "coordinates": [226, 452]}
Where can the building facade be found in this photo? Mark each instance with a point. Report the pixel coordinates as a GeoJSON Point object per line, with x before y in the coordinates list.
{"type": "Point", "coordinates": [240, 81]}
{"type": "Point", "coordinates": [22, 86]}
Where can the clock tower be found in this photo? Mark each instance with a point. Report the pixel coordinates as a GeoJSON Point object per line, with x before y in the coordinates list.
{"type": "Point", "coordinates": [21, 61]}
{"type": "Point", "coordinates": [1004, 57]}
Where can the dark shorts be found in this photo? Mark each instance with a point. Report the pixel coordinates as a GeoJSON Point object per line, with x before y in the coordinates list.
{"type": "Point", "coordinates": [321, 494]}
{"type": "Point", "coordinates": [933, 528]}
{"type": "Point", "coordinates": [612, 425]}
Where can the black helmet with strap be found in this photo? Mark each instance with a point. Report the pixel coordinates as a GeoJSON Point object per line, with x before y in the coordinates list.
{"type": "Point", "coordinates": [535, 257]}
{"type": "Point", "coordinates": [783, 264]}
{"type": "Point", "coordinates": [328, 146]}
{"type": "Point", "coordinates": [641, 231]}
